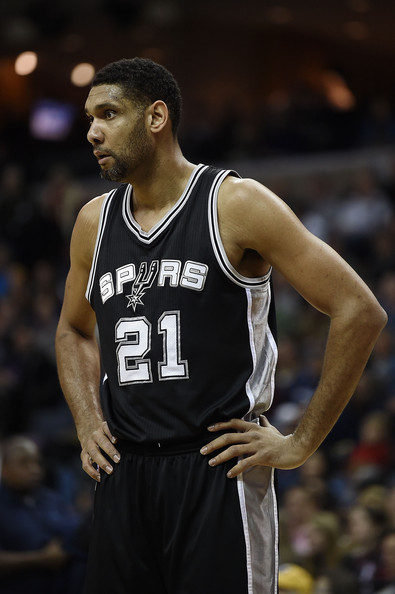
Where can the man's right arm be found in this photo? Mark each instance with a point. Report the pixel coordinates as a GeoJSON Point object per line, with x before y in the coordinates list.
{"type": "Point", "coordinates": [77, 351]}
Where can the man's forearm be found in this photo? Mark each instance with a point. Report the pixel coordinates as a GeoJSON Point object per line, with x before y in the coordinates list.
{"type": "Point", "coordinates": [78, 363]}
{"type": "Point", "coordinates": [79, 374]}
{"type": "Point", "coordinates": [349, 346]}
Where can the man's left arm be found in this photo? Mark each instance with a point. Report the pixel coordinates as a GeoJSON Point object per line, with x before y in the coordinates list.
{"type": "Point", "coordinates": [266, 225]}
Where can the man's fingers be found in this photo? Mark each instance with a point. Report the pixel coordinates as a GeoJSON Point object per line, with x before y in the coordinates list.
{"type": "Point", "coordinates": [246, 454]}
{"type": "Point", "coordinates": [94, 455]}
{"type": "Point", "coordinates": [247, 441]}
{"type": "Point", "coordinates": [93, 460]}
{"type": "Point", "coordinates": [233, 451]}
{"type": "Point", "coordinates": [236, 424]}
{"type": "Point", "coordinates": [102, 462]}
{"type": "Point", "coordinates": [107, 432]}
{"type": "Point", "coordinates": [241, 466]}
{"type": "Point", "coordinates": [228, 439]}
{"type": "Point", "coordinates": [89, 466]}
{"type": "Point", "coordinates": [104, 441]}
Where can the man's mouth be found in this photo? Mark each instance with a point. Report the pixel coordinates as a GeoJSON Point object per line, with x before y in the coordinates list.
{"type": "Point", "coordinates": [101, 157]}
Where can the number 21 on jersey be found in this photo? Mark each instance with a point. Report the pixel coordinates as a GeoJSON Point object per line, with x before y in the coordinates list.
{"type": "Point", "coordinates": [133, 337]}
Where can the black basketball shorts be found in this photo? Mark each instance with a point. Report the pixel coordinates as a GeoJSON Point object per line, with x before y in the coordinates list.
{"type": "Point", "coordinates": [167, 523]}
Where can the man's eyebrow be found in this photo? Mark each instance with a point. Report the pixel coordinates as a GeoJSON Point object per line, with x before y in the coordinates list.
{"type": "Point", "coordinates": [101, 106]}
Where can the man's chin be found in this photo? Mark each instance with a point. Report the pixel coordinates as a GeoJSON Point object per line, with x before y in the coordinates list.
{"type": "Point", "coordinates": [112, 175]}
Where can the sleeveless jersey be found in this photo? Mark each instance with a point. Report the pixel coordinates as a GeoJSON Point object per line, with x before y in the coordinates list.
{"type": "Point", "coordinates": [185, 339]}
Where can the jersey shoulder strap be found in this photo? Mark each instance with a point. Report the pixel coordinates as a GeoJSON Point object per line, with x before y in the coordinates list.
{"type": "Point", "coordinates": [110, 198]}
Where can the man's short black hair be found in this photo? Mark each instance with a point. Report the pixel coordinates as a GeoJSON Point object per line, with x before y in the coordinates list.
{"type": "Point", "coordinates": [144, 82]}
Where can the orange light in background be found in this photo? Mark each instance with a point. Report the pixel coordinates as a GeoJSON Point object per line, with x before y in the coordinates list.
{"type": "Point", "coordinates": [16, 91]}
{"type": "Point", "coordinates": [26, 63]}
{"type": "Point", "coordinates": [82, 74]}
{"type": "Point", "coordinates": [337, 91]}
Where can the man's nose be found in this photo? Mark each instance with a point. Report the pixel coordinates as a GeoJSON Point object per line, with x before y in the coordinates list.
{"type": "Point", "coordinates": [95, 135]}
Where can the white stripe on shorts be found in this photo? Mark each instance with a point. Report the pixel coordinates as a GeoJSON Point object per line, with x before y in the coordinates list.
{"type": "Point", "coordinates": [258, 505]}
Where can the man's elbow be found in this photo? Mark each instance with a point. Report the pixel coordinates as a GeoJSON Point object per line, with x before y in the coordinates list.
{"type": "Point", "coordinates": [373, 317]}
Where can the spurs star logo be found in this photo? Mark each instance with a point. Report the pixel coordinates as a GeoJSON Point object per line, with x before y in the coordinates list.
{"type": "Point", "coordinates": [143, 281]}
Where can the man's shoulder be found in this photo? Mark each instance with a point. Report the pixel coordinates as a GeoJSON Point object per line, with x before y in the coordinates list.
{"type": "Point", "coordinates": [89, 216]}
{"type": "Point", "coordinates": [90, 212]}
{"type": "Point", "coordinates": [242, 187]}
{"type": "Point", "coordinates": [242, 194]}
{"type": "Point", "coordinates": [85, 230]}
{"type": "Point", "coordinates": [93, 207]}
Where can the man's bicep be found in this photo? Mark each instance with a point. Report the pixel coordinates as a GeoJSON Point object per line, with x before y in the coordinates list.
{"type": "Point", "coordinates": [77, 313]}
{"type": "Point", "coordinates": [311, 266]}
{"type": "Point", "coordinates": [319, 274]}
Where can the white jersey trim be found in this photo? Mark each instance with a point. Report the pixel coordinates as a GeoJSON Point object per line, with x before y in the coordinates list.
{"type": "Point", "coordinates": [152, 234]}
{"type": "Point", "coordinates": [264, 351]}
{"type": "Point", "coordinates": [216, 240]}
{"type": "Point", "coordinates": [102, 223]}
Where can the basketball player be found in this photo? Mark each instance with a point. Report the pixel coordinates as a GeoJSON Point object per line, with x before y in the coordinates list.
{"type": "Point", "coordinates": [174, 268]}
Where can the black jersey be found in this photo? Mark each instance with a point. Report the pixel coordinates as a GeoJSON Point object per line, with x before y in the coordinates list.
{"type": "Point", "coordinates": [185, 339]}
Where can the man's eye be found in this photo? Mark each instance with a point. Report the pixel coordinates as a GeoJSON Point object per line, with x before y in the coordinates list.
{"type": "Point", "coordinates": [109, 113]}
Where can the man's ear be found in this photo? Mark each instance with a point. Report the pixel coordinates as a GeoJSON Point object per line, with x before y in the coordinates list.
{"type": "Point", "coordinates": [158, 116]}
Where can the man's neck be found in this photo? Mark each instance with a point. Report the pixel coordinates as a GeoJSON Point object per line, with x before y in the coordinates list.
{"type": "Point", "coordinates": [161, 184]}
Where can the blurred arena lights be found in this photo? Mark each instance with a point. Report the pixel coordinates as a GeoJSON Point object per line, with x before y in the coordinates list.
{"type": "Point", "coordinates": [51, 120]}
{"type": "Point", "coordinates": [26, 63]}
{"type": "Point", "coordinates": [82, 74]}
{"type": "Point", "coordinates": [337, 91]}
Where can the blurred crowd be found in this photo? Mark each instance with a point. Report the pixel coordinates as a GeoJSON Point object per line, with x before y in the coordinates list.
{"type": "Point", "coordinates": [337, 512]}
{"type": "Point", "coordinates": [297, 120]}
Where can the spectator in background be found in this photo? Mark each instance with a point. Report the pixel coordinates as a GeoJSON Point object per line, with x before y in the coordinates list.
{"type": "Point", "coordinates": [298, 508]}
{"type": "Point", "coordinates": [365, 211]}
{"type": "Point", "coordinates": [382, 256]}
{"type": "Point", "coordinates": [386, 294]}
{"type": "Point", "coordinates": [35, 383]}
{"type": "Point", "coordinates": [374, 496]}
{"type": "Point", "coordinates": [62, 198]}
{"type": "Point", "coordinates": [365, 526]}
{"type": "Point", "coordinates": [385, 578]}
{"type": "Point", "coordinates": [314, 474]}
{"type": "Point", "coordinates": [38, 531]}
{"type": "Point", "coordinates": [21, 214]}
{"type": "Point", "coordinates": [293, 579]}
{"type": "Point", "coordinates": [337, 580]}
{"type": "Point", "coordinates": [323, 552]}
{"type": "Point", "coordinates": [372, 456]}
{"type": "Point", "coordinates": [15, 203]}
{"type": "Point", "coordinates": [390, 506]}
{"type": "Point", "coordinates": [382, 366]}
{"type": "Point", "coordinates": [5, 268]}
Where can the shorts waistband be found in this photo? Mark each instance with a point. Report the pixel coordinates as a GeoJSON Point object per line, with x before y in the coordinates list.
{"type": "Point", "coordinates": [164, 449]}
